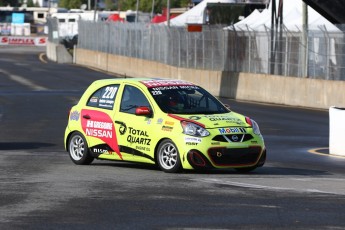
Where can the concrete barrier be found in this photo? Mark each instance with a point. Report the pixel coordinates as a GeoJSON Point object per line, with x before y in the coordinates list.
{"type": "Point", "coordinates": [58, 53]}
{"type": "Point", "coordinates": [336, 131]}
{"type": "Point", "coordinates": [304, 92]}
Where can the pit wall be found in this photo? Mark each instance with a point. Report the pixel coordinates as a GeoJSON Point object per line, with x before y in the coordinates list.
{"type": "Point", "coordinates": [304, 92]}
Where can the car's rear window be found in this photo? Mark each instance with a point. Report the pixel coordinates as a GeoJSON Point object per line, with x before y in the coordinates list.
{"type": "Point", "coordinates": [104, 97]}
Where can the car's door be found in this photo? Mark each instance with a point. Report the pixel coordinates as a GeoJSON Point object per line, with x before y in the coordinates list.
{"type": "Point", "coordinates": [135, 131]}
{"type": "Point", "coordinates": [97, 122]}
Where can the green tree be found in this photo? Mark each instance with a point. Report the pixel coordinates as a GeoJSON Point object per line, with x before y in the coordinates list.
{"type": "Point", "coordinates": [30, 3]}
{"type": "Point", "coordinates": [10, 3]}
{"type": "Point", "coordinates": [74, 4]}
{"type": "Point", "coordinates": [64, 3]}
{"type": "Point", "coordinates": [109, 5]}
{"type": "Point", "coordinates": [146, 5]}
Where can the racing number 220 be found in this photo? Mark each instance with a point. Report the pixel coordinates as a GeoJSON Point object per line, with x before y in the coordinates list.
{"type": "Point", "coordinates": [109, 92]}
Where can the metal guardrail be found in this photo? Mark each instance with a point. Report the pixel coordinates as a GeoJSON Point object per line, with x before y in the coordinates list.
{"type": "Point", "coordinates": [216, 48]}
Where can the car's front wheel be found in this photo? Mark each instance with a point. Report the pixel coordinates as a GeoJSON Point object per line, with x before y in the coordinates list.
{"type": "Point", "coordinates": [78, 150]}
{"type": "Point", "coordinates": [168, 157]}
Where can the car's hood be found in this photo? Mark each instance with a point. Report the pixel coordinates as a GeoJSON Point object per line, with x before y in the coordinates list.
{"type": "Point", "coordinates": [230, 119]}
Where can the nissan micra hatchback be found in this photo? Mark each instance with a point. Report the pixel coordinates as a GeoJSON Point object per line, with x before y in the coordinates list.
{"type": "Point", "coordinates": [172, 123]}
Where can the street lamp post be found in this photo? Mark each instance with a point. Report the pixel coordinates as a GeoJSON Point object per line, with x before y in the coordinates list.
{"type": "Point", "coordinates": [168, 13]}
{"type": "Point", "coordinates": [153, 8]}
{"type": "Point", "coordinates": [136, 11]}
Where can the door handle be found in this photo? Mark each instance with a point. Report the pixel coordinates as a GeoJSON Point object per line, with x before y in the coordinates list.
{"type": "Point", "coordinates": [86, 116]}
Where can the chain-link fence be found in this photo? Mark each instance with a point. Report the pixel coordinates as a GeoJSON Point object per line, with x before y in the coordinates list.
{"type": "Point", "coordinates": [320, 54]}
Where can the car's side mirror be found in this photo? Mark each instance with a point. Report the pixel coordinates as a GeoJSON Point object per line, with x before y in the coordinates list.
{"type": "Point", "coordinates": [143, 111]}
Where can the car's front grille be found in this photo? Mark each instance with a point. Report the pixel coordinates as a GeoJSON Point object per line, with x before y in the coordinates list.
{"type": "Point", "coordinates": [234, 156]}
{"type": "Point", "coordinates": [233, 137]}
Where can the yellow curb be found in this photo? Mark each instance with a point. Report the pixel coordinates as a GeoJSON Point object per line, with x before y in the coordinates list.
{"type": "Point", "coordinates": [317, 151]}
{"type": "Point", "coordinates": [41, 58]}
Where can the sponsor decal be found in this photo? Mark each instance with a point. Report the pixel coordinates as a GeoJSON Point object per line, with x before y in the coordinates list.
{"type": "Point", "coordinates": [195, 118]}
{"type": "Point", "coordinates": [188, 87]}
{"type": "Point", "coordinates": [137, 136]}
{"type": "Point", "coordinates": [31, 41]}
{"type": "Point", "coordinates": [169, 123]}
{"type": "Point", "coordinates": [192, 139]}
{"type": "Point", "coordinates": [142, 148]}
{"type": "Point", "coordinates": [215, 143]}
{"type": "Point", "coordinates": [100, 125]}
{"type": "Point", "coordinates": [167, 128]}
{"type": "Point", "coordinates": [234, 138]}
{"type": "Point", "coordinates": [74, 116]}
{"type": "Point", "coordinates": [191, 143]}
{"type": "Point", "coordinates": [99, 129]}
{"type": "Point", "coordinates": [231, 130]}
{"type": "Point", "coordinates": [162, 88]}
{"type": "Point", "coordinates": [225, 118]}
{"type": "Point", "coordinates": [122, 127]}
{"type": "Point", "coordinates": [164, 82]}
{"type": "Point", "coordinates": [99, 151]}
{"type": "Point", "coordinates": [159, 121]}
{"type": "Point", "coordinates": [148, 121]}
{"type": "Point", "coordinates": [94, 99]}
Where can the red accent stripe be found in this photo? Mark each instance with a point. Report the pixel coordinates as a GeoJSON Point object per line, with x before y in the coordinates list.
{"type": "Point", "coordinates": [185, 119]}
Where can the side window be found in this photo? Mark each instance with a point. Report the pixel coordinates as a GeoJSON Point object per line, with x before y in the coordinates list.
{"type": "Point", "coordinates": [132, 98]}
{"type": "Point", "coordinates": [104, 97]}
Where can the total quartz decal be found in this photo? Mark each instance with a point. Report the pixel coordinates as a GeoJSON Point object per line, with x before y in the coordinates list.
{"type": "Point", "coordinates": [99, 125]}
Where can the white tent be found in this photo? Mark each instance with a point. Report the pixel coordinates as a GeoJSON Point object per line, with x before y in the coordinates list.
{"type": "Point", "coordinates": [292, 19]}
{"type": "Point", "coordinates": [293, 22]}
{"type": "Point", "coordinates": [196, 15]}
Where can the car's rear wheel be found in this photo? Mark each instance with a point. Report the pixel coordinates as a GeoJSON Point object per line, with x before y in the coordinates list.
{"type": "Point", "coordinates": [168, 157]}
{"type": "Point", "coordinates": [78, 150]}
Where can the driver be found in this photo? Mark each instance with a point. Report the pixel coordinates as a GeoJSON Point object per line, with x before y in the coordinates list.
{"type": "Point", "coordinates": [175, 102]}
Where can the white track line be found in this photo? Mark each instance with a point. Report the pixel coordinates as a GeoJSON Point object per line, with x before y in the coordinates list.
{"type": "Point", "coordinates": [22, 81]}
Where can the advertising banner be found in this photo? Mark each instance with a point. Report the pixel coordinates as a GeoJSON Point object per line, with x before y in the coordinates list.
{"type": "Point", "coordinates": [25, 41]}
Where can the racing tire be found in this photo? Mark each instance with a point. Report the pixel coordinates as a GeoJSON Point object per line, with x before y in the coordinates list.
{"type": "Point", "coordinates": [78, 150]}
{"type": "Point", "coordinates": [168, 157]}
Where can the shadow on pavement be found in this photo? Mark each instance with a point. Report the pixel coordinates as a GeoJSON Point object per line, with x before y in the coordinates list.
{"type": "Point", "coordinates": [24, 145]}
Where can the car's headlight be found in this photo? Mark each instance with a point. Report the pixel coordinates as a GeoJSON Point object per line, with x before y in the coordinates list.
{"type": "Point", "coordinates": [193, 129]}
{"type": "Point", "coordinates": [256, 129]}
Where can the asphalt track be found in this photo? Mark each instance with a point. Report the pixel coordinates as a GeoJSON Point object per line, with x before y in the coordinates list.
{"type": "Point", "coordinates": [300, 187]}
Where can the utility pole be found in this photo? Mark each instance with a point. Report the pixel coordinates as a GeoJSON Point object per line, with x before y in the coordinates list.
{"type": "Point", "coordinates": [95, 10]}
{"type": "Point", "coordinates": [276, 38]}
{"type": "Point", "coordinates": [305, 39]}
{"type": "Point", "coordinates": [168, 13]}
{"type": "Point", "coordinates": [136, 11]}
{"type": "Point", "coordinates": [152, 9]}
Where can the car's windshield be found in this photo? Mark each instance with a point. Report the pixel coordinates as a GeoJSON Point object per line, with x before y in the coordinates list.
{"type": "Point", "coordinates": [186, 99]}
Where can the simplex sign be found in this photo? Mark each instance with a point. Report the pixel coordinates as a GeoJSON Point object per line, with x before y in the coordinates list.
{"type": "Point", "coordinates": [25, 41]}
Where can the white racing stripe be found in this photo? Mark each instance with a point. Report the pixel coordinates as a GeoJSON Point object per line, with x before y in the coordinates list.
{"type": "Point", "coordinates": [22, 81]}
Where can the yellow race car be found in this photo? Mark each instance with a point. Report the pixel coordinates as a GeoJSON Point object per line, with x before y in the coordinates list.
{"type": "Point", "coordinates": [172, 123]}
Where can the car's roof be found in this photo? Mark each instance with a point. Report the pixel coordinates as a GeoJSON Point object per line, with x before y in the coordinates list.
{"type": "Point", "coordinates": [148, 82]}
